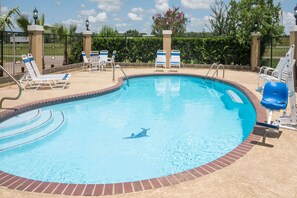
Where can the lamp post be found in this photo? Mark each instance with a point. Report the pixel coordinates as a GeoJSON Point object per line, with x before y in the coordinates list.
{"type": "Point", "coordinates": [295, 14]}
{"type": "Point", "coordinates": [35, 15]}
{"type": "Point", "coordinates": [87, 24]}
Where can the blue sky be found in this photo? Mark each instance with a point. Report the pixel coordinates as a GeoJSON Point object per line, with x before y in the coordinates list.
{"type": "Point", "coordinates": [125, 14]}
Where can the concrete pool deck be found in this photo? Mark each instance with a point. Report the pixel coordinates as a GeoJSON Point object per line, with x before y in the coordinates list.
{"type": "Point", "coordinates": [263, 171]}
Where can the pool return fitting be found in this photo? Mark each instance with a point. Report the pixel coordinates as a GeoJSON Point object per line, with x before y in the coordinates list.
{"type": "Point", "coordinates": [20, 88]}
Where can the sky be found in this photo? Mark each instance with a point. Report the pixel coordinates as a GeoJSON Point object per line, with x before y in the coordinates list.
{"type": "Point", "coordinates": [123, 15]}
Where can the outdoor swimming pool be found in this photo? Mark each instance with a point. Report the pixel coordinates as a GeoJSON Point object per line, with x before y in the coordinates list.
{"type": "Point", "coordinates": [190, 122]}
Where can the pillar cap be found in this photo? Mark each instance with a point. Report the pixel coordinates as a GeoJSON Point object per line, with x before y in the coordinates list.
{"type": "Point", "coordinates": [35, 28]}
{"type": "Point", "coordinates": [87, 33]}
{"type": "Point", "coordinates": [167, 32]}
{"type": "Point", "coordinates": [256, 34]}
{"type": "Point", "coordinates": [294, 28]}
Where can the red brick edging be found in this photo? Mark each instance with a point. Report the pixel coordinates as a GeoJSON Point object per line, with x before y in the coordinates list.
{"type": "Point", "coordinates": [23, 184]}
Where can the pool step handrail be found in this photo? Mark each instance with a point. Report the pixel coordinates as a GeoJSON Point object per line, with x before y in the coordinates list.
{"type": "Point", "coordinates": [216, 67]}
{"type": "Point", "coordinates": [113, 73]}
{"type": "Point", "coordinates": [20, 88]}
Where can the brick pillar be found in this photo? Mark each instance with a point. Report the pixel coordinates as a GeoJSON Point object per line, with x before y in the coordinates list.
{"type": "Point", "coordinates": [255, 51]}
{"type": "Point", "coordinates": [36, 42]}
{"type": "Point", "coordinates": [87, 42]}
{"type": "Point", "coordinates": [293, 41]}
{"type": "Point", "coordinates": [167, 45]}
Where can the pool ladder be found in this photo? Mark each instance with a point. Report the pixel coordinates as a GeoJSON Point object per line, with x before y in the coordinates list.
{"type": "Point", "coordinates": [20, 88]}
{"type": "Point", "coordinates": [113, 73]}
{"type": "Point", "coordinates": [216, 67]}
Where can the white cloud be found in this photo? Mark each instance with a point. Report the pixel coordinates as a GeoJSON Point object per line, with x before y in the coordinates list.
{"type": "Point", "coordinates": [288, 20]}
{"type": "Point", "coordinates": [82, 5]}
{"type": "Point", "coordinates": [198, 24]}
{"type": "Point", "coordinates": [137, 10]}
{"type": "Point", "coordinates": [88, 12]}
{"type": "Point", "coordinates": [4, 10]}
{"type": "Point", "coordinates": [73, 21]}
{"type": "Point", "coordinates": [197, 4]}
{"type": "Point", "coordinates": [100, 18]}
{"type": "Point", "coordinates": [117, 19]}
{"type": "Point", "coordinates": [122, 25]}
{"type": "Point", "coordinates": [161, 5]}
{"type": "Point", "coordinates": [58, 2]}
{"type": "Point", "coordinates": [134, 17]}
{"type": "Point", "coordinates": [108, 5]}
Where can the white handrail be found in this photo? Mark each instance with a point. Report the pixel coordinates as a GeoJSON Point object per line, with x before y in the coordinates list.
{"type": "Point", "coordinates": [113, 73]}
{"type": "Point", "coordinates": [20, 88]}
{"type": "Point", "coordinates": [217, 67]}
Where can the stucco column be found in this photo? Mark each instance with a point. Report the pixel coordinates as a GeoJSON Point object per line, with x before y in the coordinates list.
{"type": "Point", "coordinates": [293, 41]}
{"type": "Point", "coordinates": [87, 42]}
{"type": "Point", "coordinates": [255, 51]}
{"type": "Point", "coordinates": [167, 45]}
{"type": "Point", "coordinates": [35, 32]}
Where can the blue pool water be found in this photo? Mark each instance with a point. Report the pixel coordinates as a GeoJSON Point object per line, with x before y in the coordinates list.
{"type": "Point", "coordinates": [191, 122]}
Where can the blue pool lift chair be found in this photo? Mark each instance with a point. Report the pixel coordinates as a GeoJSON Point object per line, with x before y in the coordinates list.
{"type": "Point", "coordinates": [275, 97]}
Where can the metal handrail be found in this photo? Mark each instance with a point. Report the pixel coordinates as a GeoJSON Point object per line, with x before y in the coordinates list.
{"type": "Point", "coordinates": [113, 73]}
{"type": "Point", "coordinates": [217, 67]}
{"type": "Point", "coordinates": [217, 70]}
{"type": "Point", "coordinates": [20, 88]}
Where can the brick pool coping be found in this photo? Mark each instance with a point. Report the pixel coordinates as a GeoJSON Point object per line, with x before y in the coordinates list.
{"type": "Point", "coordinates": [23, 184]}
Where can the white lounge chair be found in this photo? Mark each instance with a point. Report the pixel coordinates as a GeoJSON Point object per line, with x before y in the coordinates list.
{"type": "Point", "coordinates": [37, 72]}
{"type": "Point", "coordinates": [103, 59]}
{"type": "Point", "coordinates": [160, 59]}
{"type": "Point", "coordinates": [175, 59]}
{"type": "Point", "coordinates": [86, 63]}
{"type": "Point", "coordinates": [94, 60]}
{"type": "Point", "coordinates": [111, 60]}
{"type": "Point", "coordinates": [31, 80]}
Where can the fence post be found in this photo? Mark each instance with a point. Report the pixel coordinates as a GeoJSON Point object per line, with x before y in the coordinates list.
{"type": "Point", "coordinates": [65, 62]}
{"type": "Point", "coordinates": [293, 41]}
{"type": "Point", "coordinates": [2, 53]}
{"type": "Point", "coordinates": [36, 43]}
{"type": "Point", "coordinates": [255, 50]}
{"type": "Point", "coordinates": [167, 45]}
{"type": "Point", "coordinates": [87, 42]}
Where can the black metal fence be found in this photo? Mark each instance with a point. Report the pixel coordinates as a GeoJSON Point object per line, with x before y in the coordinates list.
{"type": "Point", "coordinates": [13, 45]}
{"type": "Point", "coordinates": [277, 48]}
{"type": "Point", "coordinates": [57, 49]}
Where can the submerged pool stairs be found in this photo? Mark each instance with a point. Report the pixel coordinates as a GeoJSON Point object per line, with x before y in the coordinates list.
{"type": "Point", "coordinates": [29, 127]}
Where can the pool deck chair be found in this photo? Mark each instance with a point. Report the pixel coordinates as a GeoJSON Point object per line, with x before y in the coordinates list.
{"type": "Point", "coordinates": [111, 60]}
{"type": "Point", "coordinates": [103, 59]}
{"type": "Point", "coordinates": [174, 59]}
{"type": "Point", "coordinates": [160, 59]}
{"type": "Point", "coordinates": [94, 60]}
{"type": "Point", "coordinates": [86, 63]}
{"type": "Point", "coordinates": [37, 72]}
{"type": "Point", "coordinates": [275, 98]}
{"type": "Point", "coordinates": [33, 81]}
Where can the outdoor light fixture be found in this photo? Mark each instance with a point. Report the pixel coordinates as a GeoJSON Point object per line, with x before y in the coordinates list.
{"type": "Point", "coordinates": [35, 15]}
{"type": "Point", "coordinates": [295, 14]}
{"type": "Point", "coordinates": [87, 24]}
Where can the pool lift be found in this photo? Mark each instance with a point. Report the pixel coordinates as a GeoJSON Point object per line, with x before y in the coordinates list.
{"type": "Point", "coordinates": [276, 96]}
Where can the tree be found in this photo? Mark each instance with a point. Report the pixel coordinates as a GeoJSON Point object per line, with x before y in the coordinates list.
{"type": "Point", "coordinates": [219, 20]}
{"type": "Point", "coordinates": [132, 33]}
{"type": "Point", "coordinates": [173, 19]}
{"type": "Point", "coordinates": [245, 17]}
{"type": "Point", "coordinates": [108, 31]}
{"type": "Point", "coordinates": [7, 19]}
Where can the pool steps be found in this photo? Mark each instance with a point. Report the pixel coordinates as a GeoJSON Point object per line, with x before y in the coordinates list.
{"type": "Point", "coordinates": [45, 117]}
{"type": "Point", "coordinates": [23, 118]}
{"type": "Point", "coordinates": [48, 123]}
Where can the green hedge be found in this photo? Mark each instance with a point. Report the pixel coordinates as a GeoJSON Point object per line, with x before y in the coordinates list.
{"type": "Point", "coordinates": [193, 50]}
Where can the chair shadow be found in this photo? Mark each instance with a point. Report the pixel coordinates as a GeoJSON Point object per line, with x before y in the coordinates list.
{"type": "Point", "coordinates": [264, 133]}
